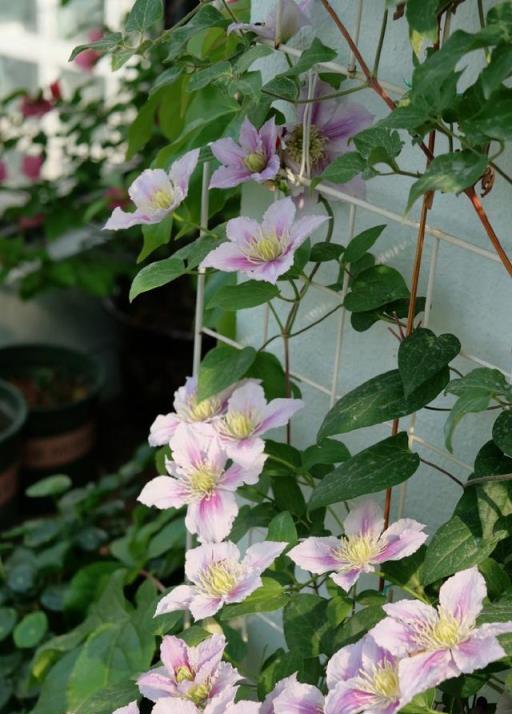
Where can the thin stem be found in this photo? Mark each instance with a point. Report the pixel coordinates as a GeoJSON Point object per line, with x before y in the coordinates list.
{"type": "Point", "coordinates": [317, 322]}
{"type": "Point", "coordinates": [488, 479]}
{"type": "Point", "coordinates": [314, 100]}
{"type": "Point", "coordinates": [443, 471]}
{"type": "Point", "coordinates": [380, 44]}
{"type": "Point", "coordinates": [331, 510]}
{"type": "Point", "coordinates": [157, 583]}
{"type": "Point", "coordinates": [277, 319]}
{"type": "Point", "coordinates": [286, 349]}
{"type": "Point", "coordinates": [471, 194]}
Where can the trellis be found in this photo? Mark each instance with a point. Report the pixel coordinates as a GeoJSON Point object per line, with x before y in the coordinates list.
{"type": "Point", "coordinates": [436, 236]}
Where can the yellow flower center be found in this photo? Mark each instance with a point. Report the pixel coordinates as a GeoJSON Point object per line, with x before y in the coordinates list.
{"type": "Point", "coordinates": [199, 694]}
{"type": "Point", "coordinates": [203, 481]}
{"type": "Point", "coordinates": [267, 248]}
{"type": "Point", "coordinates": [201, 411]}
{"type": "Point", "coordinates": [220, 578]}
{"type": "Point", "coordinates": [183, 674]}
{"type": "Point", "coordinates": [358, 550]}
{"type": "Point", "coordinates": [381, 680]}
{"type": "Point", "coordinates": [162, 199]}
{"type": "Point", "coordinates": [317, 144]}
{"type": "Point", "coordinates": [239, 424]}
{"type": "Point", "coordinates": [256, 162]}
{"type": "Point", "coordinates": [444, 631]}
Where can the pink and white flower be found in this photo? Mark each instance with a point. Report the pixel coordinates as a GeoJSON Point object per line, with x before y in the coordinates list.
{"type": "Point", "coordinates": [219, 577]}
{"type": "Point", "coordinates": [222, 704]}
{"type": "Point", "coordinates": [156, 193]}
{"type": "Point", "coordinates": [188, 410]}
{"type": "Point", "coordinates": [87, 59]}
{"type": "Point", "coordinates": [268, 705]}
{"type": "Point", "coordinates": [131, 708]}
{"type": "Point", "coordinates": [199, 479]}
{"type": "Point", "coordinates": [266, 251]}
{"type": "Point", "coordinates": [365, 545]}
{"type": "Point", "coordinates": [194, 674]}
{"type": "Point", "coordinates": [441, 643]}
{"type": "Point", "coordinates": [253, 158]}
{"type": "Point", "coordinates": [298, 698]}
{"type": "Point", "coordinates": [248, 416]}
{"type": "Point", "coordinates": [363, 677]}
{"type": "Point", "coordinates": [295, 15]}
{"type": "Point", "coordinates": [333, 123]}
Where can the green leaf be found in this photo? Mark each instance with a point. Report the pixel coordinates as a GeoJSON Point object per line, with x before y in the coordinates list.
{"type": "Point", "coordinates": [155, 236]}
{"type": "Point", "coordinates": [52, 698]}
{"type": "Point", "coordinates": [283, 88]}
{"type": "Point", "coordinates": [168, 76]}
{"type": "Point", "coordinates": [378, 400]}
{"type": "Point", "coordinates": [243, 296]}
{"type": "Point", "coordinates": [316, 52]}
{"type": "Point", "coordinates": [494, 499]}
{"type": "Point", "coordinates": [105, 44]}
{"type": "Point", "coordinates": [422, 17]}
{"type": "Point", "coordinates": [327, 451]}
{"type": "Point", "coordinates": [357, 626]}
{"type": "Point", "coordinates": [323, 252]}
{"type": "Point", "coordinates": [282, 529]}
{"type": "Point", "coordinates": [376, 287]}
{"type": "Point", "coordinates": [269, 369]}
{"type": "Point", "coordinates": [422, 355]}
{"type": "Point", "coordinates": [222, 367]}
{"type": "Point", "coordinates": [385, 464]}
{"type": "Point", "coordinates": [8, 618]}
{"type": "Point", "coordinates": [495, 118]}
{"type": "Point", "coordinates": [270, 596]}
{"type": "Point", "coordinates": [361, 243]}
{"type": "Point", "coordinates": [344, 168]}
{"type": "Point", "coordinates": [207, 17]}
{"type": "Point", "coordinates": [143, 15]}
{"type": "Point", "coordinates": [458, 544]}
{"type": "Point", "coordinates": [449, 173]}
{"type": "Point", "coordinates": [475, 391]}
{"type": "Point", "coordinates": [155, 275]}
{"type": "Point", "coordinates": [502, 432]}
{"type": "Point", "coordinates": [204, 77]}
{"type": "Point", "coordinates": [305, 622]}
{"type": "Point", "coordinates": [51, 486]}
{"type": "Point", "coordinates": [30, 631]}
{"type": "Point", "coordinates": [379, 145]}
{"type": "Point", "coordinates": [498, 69]}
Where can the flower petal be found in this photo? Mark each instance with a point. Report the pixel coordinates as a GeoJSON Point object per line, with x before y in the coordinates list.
{"type": "Point", "coordinates": [229, 176]}
{"type": "Point", "coordinates": [168, 706]}
{"type": "Point", "coordinates": [241, 230]}
{"type": "Point", "coordinates": [305, 227]}
{"type": "Point", "coordinates": [131, 708]}
{"type": "Point", "coordinates": [228, 152]}
{"type": "Point", "coordinates": [395, 636]}
{"type": "Point", "coordinates": [203, 606]}
{"type": "Point", "coordinates": [245, 452]}
{"type": "Point", "coordinates": [248, 399]}
{"type": "Point", "coordinates": [143, 189]}
{"type": "Point", "coordinates": [206, 656]}
{"type": "Point", "coordinates": [346, 579]}
{"type": "Point", "coordinates": [249, 137]}
{"type": "Point", "coordinates": [163, 492]}
{"type": "Point", "coordinates": [120, 219]}
{"type": "Point", "coordinates": [403, 538]}
{"type": "Point", "coordinates": [178, 599]}
{"type": "Point", "coordinates": [156, 684]}
{"type": "Point", "coordinates": [477, 653]}
{"type": "Point", "coordinates": [344, 664]}
{"type": "Point", "coordinates": [316, 555]}
{"type": "Point", "coordinates": [198, 559]}
{"type": "Point", "coordinates": [182, 170]}
{"type": "Point", "coordinates": [174, 654]}
{"type": "Point", "coordinates": [298, 698]}
{"type": "Point", "coordinates": [212, 517]}
{"type": "Point", "coordinates": [162, 429]}
{"type": "Point", "coordinates": [269, 134]}
{"type": "Point", "coordinates": [347, 698]}
{"type": "Point", "coordinates": [268, 705]}
{"type": "Point", "coordinates": [462, 595]}
{"type": "Point", "coordinates": [366, 519]}
{"type": "Point", "coordinates": [278, 413]}
{"type": "Point", "coordinates": [237, 475]}
{"type": "Point", "coordinates": [228, 258]}
{"type": "Point", "coordinates": [493, 629]}
{"type": "Point", "coordinates": [423, 671]}
{"type": "Point", "coordinates": [226, 676]}
{"type": "Point", "coordinates": [279, 217]}
{"type": "Point", "coordinates": [261, 555]}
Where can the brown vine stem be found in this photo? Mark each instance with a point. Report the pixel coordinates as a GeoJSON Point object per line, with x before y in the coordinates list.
{"type": "Point", "coordinates": [374, 83]}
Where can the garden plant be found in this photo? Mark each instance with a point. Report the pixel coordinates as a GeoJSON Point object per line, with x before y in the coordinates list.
{"type": "Point", "coordinates": [378, 616]}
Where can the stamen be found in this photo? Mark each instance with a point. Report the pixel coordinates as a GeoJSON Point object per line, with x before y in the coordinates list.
{"type": "Point", "coordinates": [220, 578]}
{"type": "Point", "coordinates": [317, 144]}
{"type": "Point", "coordinates": [240, 425]}
{"type": "Point", "coordinates": [358, 550]}
{"type": "Point", "coordinates": [442, 631]}
{"type": "Point", "coordinates": [199, 694]}
{"type": "Point", "coordinates": [184, 674]}
{"type": "Point", "coordinates": [381, 680]}
{"type": "Point", "coordinates": [162, 199]}
{"type": "Point", "coordinates": [201, 411]}
{"type": "Point", "coordinates": [256, 162]}
{"type": "Point", "coordinates": [265, 247]}
{"type": "Point", "coordinates": [203, 480]}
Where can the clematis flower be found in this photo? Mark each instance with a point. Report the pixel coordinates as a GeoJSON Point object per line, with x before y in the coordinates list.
{"type": "Point", "coordinates": [441, 643]}
{"type": "Point", "coordinates": [295, 15]}
{"type": "Point", "coordinates": [248, 416]}
{"type": "Point", "coordinates": [223, 704]}
{"type": "Point", "coordinates": [333, 123]}
{"type": "Point", "coordinates": [156, 194]}
{"type": "Point", "coordinates": [31, 166]}
{"type": "Point", "coordinates": [363, 677]}
{"type": "Point", "coordinates": [266, 251]}
{"type": "Point", "coordinates": [3, 171]}
{"type": "Point", "coordinates": [188, 410]}
{"type": "Point", "coordinates": [298, 698]}
{"type": "Point", "coordinates": [194, 674]}
{"type": "Point", "coordinates": [199, 479]}
{"type": "Point", "coordinates": [268, 705]}
{"type": "Point", "coordinates": [131, 708]}
{"type": "Point", "coordinates": [218, 577]}
{"type": "Point", "coordinates": [364, 545]}
{"type": "Point", "coordinates": [253, 158]}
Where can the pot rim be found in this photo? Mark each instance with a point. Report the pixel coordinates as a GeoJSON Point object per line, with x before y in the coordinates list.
{"type": "Point", "coordinates": [96, 372]}
{"type": "Point", "coordinates": [21, 410]}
